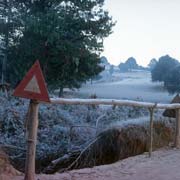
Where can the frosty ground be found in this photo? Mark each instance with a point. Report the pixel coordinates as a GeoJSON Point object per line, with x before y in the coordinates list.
{"type": "Point", "coordinates": [56, 123]}
{"type": "Point", "coordinates": [56, 126]}
{"type": "Point", "coordinates": [132, 85]}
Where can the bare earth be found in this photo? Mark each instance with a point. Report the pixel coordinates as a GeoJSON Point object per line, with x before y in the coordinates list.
{"type": "Point", "coordinates": [163, 165]}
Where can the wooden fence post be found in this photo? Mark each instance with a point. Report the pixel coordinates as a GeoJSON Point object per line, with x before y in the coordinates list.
{"type": "Point", "coordinates": [151, 110]}
{"type": "Point", "coordinates": [177, 133]}
{"type": "Point", "coordinates": [32, 126]}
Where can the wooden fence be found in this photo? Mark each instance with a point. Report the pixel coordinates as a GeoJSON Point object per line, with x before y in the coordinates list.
{"type": "Point", "coordinates": [150, 106]}
{"type": "Point", "coordinates": [33, 123]}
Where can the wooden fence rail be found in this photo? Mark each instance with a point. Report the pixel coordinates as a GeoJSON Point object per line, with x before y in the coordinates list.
{"type": "Point", "coordinates": [151, 107]}
{"type": "Point", "coordinates": [114, 102]}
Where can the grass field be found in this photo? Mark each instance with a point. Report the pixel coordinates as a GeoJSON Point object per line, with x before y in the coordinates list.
{"type": "Point", "coordinates": [132, 85]}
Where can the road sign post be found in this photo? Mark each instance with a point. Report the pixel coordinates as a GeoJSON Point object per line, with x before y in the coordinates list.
{"type": "Point", "coordinates": [32, 127]}
{"type": "Point", "coordinates": [32, 87]}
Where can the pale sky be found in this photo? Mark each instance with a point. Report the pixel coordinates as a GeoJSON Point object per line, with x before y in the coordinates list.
{"type": "Point", "coordinates": [145, 29]}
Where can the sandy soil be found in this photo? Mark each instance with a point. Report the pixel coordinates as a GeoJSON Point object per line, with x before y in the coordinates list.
{"type": "Point", "coordinates": [163, 165]}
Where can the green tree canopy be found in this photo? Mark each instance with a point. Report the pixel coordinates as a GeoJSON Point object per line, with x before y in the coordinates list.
{"type": "Point", "coordinates": [152, 64]}
{"type": "Point", "coordinates": [172, 80]}
{"type": "Point", "coordinates": [162, 68]}
{"type": "Point", "coordinates": [128, 65]}
{"type": "Point", "coordinates": [66, 36]}
{"type": "Point", "coordinates": [9, 25]}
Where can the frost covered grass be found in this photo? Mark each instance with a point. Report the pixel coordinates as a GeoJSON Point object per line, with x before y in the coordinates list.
{"type": "Point", "coordinates": [131, 85]}
{"type": "Point", "coordinates": [62, 128]}
{"type": "Point", "coordinates": [119, 141]}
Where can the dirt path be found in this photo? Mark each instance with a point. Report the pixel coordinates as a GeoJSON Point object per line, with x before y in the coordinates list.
{"type": "Point", "coordinates": [164, 165]}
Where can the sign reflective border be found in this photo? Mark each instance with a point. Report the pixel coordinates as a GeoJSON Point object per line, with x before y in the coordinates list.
{"type": "Point", "coordinates": [33, 85]}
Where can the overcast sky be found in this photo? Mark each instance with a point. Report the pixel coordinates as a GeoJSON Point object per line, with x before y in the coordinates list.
{"type": "Point", "coordinates": [145, 29]}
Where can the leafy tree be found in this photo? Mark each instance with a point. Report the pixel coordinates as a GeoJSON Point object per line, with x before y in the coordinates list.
{"type": "Point", "coordinates": [104, 60]}
{"type": "Point", "coordinates": [123, 67]}
{"type": "Point", "coordinates": [9, 23]}
{"type": "Point", "coordinates": [66, 36]}
{"type": "Point", "coordinates": [152, 64]}
{"type": "Point", "coordinates": [5, 13]}
{"type": "Point", "coordinates": [111, 69]}
{"type": "Point", "coordinates": [162, 68]}
{"type": "Point", "coordinates": [128, 65]}
{"type": "Point", "coordinates": [131, 63]}
{"type": "Point", "coordinates": [172, 80]}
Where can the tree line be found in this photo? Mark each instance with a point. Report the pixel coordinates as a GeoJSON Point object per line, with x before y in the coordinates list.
{"type": "Point", "coordinates": [65, 35]}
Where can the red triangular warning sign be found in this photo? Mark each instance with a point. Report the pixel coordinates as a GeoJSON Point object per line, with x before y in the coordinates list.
{"type": "Point", "coordinates": [33, 85]}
